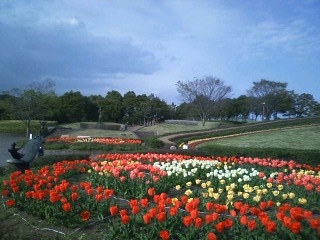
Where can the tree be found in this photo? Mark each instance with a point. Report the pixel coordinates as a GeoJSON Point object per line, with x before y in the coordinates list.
{"type": "Point", "coordinates": [273, 97]}
{"type": "Point", "coordinates": [130, 104]}
{"type": "Point", "coordinates": [30, 103]}
{"type": "Point", "coordinates": [203, 94]}
{"type": "Point", "coordinates": [113, 106]}
{"type": "Point", "coordinates": [5, 106]}
{"type": "Point", "coordinates": [72, 107]}
{"type": "Point", "coordinates": [243, 107]}
{"type": "Point", "coordinates": [304, 105]}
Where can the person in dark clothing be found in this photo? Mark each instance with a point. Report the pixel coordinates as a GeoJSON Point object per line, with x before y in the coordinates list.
{"type": "Point", "coordinates": [14, 152]}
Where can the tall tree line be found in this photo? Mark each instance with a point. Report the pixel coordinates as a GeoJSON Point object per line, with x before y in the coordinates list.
{"type": "Point", "coordinates": [265, 100]}
{"type": "Point", "coordinates": [202, 99]}
{"type": "Point", "coordinates": [40, 102]}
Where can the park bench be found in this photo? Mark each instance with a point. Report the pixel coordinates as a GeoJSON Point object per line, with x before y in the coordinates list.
{"type": "Point", "coordinates": [28, 153]}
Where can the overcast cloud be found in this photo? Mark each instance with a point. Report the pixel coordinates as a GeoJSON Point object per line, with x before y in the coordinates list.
{"type": "Point", "coordinates": [98, 46]}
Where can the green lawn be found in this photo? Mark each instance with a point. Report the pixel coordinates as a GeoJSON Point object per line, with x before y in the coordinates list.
{"type": "Point", "coordinates": [298, 138]}
{"type": "Point", "coordinates": [165, 128]}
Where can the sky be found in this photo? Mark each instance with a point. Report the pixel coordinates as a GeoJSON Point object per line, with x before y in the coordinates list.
{"type": "Point", "coordinates": [147, 46]}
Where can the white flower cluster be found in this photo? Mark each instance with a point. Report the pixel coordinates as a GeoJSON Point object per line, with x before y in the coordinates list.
{"type": "Point", "coordinates": [213, 168]}
{"type": "Point", "coordinates": [243, 175]}
{"type": "Point", "coordinates": [186, 167]}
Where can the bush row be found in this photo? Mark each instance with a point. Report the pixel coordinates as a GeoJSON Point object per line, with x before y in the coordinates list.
{"type": "Point", "coordinates": [247, 128]}
{"type": "Point", "coordinates": [92, 146]}
{"type": "Point", "coordinates": [183, 122]}
{"type": "Point", "coordinates": [311, 157]}
{"type": "Point", "coordinates": [115, 127]}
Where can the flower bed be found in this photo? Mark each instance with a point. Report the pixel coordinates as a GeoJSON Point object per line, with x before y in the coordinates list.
{"type": "Point", "coordinates": [102, 140]}
{"type": "Point", "coordinates": [170, 196]}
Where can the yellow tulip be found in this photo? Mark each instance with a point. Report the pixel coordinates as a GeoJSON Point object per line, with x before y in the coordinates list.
{"type": "Point", "coordinates": [275, 193]}
{"type": "Point", "coordinates": [198, 181]}
{"type": "Point", "coordinates": [280, 187]}
{"type": "Point", "coordinates": [230, 192]}
{"type": "Point", "coordinates": [264, 191]}
{"type": "Point", "coordinates": [173, 200]}
{"type": "Point", "coordinates": [246, 195]}
{"type": "Point", "coordinates": [216, 196]}
{"type": "Point", "coordinates": [222, 181]}
{"type": "Point", "coordinates": [302, 200]}
{"type": "Point", "coordinates": [210, 190]}
{"type": "Point", "coordinates": [189, 184]}
{"type": "Point", "coordinates": [284, 196]}
{"type": "Point", "coordinates": [205, 195]}
{"type": "Point", "coordinates": [188, 192]}
{"type": "Point", "coordinates": [203, 185]}
{"type": "Point", "coordinates": [257, 198]}
{"type": "Point", "coordinates": [233, 185]}
{"type": "Point", "coordinates": [269, 185]}
{"type": "Point", "coordinates": [291, 195]}
{"type": "Point", "coordinates": [259, 192]}
{"type": "Point", "coordinates": [178, 187]}
{"type": "Point", "coordinates": [230, 197]}
{"type": "Point", "coordinates": [208, 183]}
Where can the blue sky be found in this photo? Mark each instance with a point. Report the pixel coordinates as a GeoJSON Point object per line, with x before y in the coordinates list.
{"type": "Point", "coordinates": [96, 46]}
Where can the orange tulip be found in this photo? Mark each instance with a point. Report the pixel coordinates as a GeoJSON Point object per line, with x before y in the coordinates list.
{"type": "Point", "coordinates": [198, 222]}
{"type": "Point", "coordinates": [211, 236]}
{"type": "Point", "coordinates": [125, 219]}
{"type": "Point", "coordinates": [161, 217]}
{"type": "Point", "coordinates": [113, 210]}
{"type": "Point", "coordinates": [187, 221]}
{"type": "Point", "coordinates": [85, 215]}
{"type": "Point", "coordinates": [11, 202]}
{"type": "Point", "coordinates": [66, 207]}
{"type": "Point", "coordinates": [164, 234]}
{"type": "Point", "coordinates": [147, 218]}
{"type": "Point", "coordinates": [219, 226]}
{"type": "Point", "coordinates": [252, 225]}
{"type": "Point", "coordinates": [151, 191]}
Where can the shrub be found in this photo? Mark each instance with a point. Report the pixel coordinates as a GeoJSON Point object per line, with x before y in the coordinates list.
{"type": "Point", "coordinates": [184, 122]}
{"type": "Point", "coordinates": [154, 143]}
{"type": "Point", "coordinates": [311, 157]}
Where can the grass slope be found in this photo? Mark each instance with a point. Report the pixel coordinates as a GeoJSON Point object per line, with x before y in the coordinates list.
{"type": "Point", "coordinates": [306, 137]}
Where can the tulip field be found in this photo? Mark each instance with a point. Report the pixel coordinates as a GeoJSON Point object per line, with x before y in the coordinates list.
{"type": "Point", "coordinates": [173, 196]}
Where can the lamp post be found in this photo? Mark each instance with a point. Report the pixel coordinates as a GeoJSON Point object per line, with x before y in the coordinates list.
{"type": "Point", "coordinates": [173, 110]}
{"type": "Point", "coordinates": [100, 115]}
{"type": "Point", "coordinates": [263, 110]}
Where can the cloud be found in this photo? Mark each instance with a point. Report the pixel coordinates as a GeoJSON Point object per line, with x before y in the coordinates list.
{"type": "Point", "coordinates": [97, 46]}
{"type": "Point", "coordinates": [64, 49]}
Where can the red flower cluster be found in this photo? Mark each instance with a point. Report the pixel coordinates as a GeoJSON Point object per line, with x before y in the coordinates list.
{"type": "Point", "coordinates": [102, 140]}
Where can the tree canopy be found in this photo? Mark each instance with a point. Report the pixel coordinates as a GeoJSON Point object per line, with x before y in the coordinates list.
{"type": "Point", "coordinates": [203, 94]}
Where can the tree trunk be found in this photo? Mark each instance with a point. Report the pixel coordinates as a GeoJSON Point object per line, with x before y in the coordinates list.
{"type": "Point", "coordinates": [28, 127]}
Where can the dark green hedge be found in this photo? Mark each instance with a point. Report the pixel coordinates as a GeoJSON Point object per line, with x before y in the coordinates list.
{"type": "Point", "coordinates": [154, 143]}
{"type": "Point", "coordinates": [247, 128]}
{"type": "Point", "coordinates": [92, 146]}
{"type": "Point", "coordinates": [311, 157]}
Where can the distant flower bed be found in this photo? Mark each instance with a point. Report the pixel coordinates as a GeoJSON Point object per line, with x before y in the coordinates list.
{"type": "Point", "coordinates": [171, 196]}
{"type": "Point", "coordinates": [102, 140]}
{"type": "Point", "coordinates": [183, 122]}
